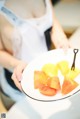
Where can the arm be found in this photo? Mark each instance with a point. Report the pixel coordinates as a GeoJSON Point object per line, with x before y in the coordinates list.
{"type": "Point", "coordinates": [59, 39]}
{"type": "Point", "coordinates": [8, 61]}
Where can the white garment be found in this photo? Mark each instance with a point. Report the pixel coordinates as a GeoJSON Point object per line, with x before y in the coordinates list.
{"type": "Point", "coordinates": [28, 37]}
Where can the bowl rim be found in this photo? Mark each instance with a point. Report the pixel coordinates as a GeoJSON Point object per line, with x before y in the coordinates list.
{"type": "Point", "coordinates": [53, 100]}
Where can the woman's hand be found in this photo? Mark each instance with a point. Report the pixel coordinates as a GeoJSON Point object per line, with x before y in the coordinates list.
{"type": "Point", "coordinates": [17, 73]}
{"type": "Point", "coordinates": [62, 43]}
{"type": "Point", "coordinates": [58, 37]}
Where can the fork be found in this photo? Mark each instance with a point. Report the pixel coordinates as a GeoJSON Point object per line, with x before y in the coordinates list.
{"type": "Point", "coordinates": [73, 64]}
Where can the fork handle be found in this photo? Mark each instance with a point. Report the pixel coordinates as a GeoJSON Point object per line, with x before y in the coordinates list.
{"type": "Point", "coordinates": [73, 64]}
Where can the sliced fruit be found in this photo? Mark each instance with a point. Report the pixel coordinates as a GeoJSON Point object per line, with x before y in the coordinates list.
{"type": "Point", "coordinates": [50, 69]}
{"type": "Point", "coordinates": [48, 91]}
{"type": "Point", "coordinates": [72, 74]}
{"type": "Point", "coordinates": [63, 66]}
{"type": "Point", "coordinates": [68, 86]}
{"type": "Point", "coordinates": [39, 78]}
{"type": "Point", "coordinates": [54, 83]}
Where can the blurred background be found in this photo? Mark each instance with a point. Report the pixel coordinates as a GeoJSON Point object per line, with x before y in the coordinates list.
{"type": "Point", "coordinates": [68, 14]}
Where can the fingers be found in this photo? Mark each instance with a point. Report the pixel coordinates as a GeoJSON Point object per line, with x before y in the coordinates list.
{"type": "Point", "coordinates": [61, 42]}
{"type": "Point", "coordinates": [16, 81]}
{"type": "Point", "coordinates": [17, 75]}
{"type": "Point", "coordinates": [64, 46]}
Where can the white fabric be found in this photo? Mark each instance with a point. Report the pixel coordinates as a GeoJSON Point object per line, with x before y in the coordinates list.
{"type": "Point", "coordinates": [30, 44]}
{"type": "Point", "coordinates": [28, 40]}
{"type": "Point", "coordinates": [29, 36]}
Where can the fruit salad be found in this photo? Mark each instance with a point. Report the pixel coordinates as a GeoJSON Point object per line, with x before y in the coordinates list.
{"type": "Point", "coordinates": [47, 80]}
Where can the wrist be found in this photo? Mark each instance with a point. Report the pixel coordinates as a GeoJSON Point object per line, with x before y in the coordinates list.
{"type": "Point", "coordinates": [14, 63]}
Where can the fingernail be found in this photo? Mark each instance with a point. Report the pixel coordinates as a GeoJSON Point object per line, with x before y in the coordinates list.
{"type": "Point", "coordinates": [19, 81]}
{"type": "Point", "coordinates": [19, 78]}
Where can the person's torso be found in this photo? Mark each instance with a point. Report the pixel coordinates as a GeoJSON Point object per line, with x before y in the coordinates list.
{"type": "Point", "coordinates": [27, 9]}
{"type": "Point", "coordinates": [28, 39]}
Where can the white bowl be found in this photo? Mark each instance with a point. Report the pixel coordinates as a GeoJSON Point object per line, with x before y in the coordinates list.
{"type": "Point", "coordinates": [58, 106]}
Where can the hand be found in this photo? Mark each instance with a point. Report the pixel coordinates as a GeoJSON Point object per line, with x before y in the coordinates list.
{"type": "Point", "coordinates": [58, 37]}
{"type": "Point", "coordinates": [62, 43]}
{"type": "Point", "coordinates": [17, 73]}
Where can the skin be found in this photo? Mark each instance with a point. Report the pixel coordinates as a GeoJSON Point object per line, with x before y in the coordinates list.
{"type": "Point", "coordinates": [25, 11]}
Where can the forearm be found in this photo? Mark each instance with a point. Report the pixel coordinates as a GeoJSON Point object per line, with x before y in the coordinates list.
{"type": "Point", "coordinates": [7, 60]}
{"type": "Point", "coordinates": [57, 30]}
{"type": "Point", "coordinates": [58, 37]}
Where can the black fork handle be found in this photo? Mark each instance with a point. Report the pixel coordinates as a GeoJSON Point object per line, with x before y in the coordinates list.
{"type": "Point", "coordinates": [73, 64]}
